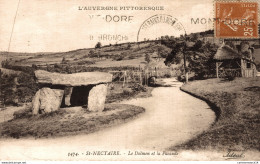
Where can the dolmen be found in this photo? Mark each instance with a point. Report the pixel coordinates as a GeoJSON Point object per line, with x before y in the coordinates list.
{"type": "Point", "coordinates": [78, 89]}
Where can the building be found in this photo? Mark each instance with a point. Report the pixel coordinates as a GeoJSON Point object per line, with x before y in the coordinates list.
{"type": "Point", "coordinates": [230, 62]}
{"type": "Point", "coordinates": [211, 39]}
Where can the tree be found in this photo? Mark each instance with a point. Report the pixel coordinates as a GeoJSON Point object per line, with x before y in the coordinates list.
{"type": "Point", "coordinates": [6, 63]}
{"type": "Point", "coordinates": [172, 38]}
{"type": "Point", "coordinates": [162, 53]}
{"type": "Point", "coordinates": [34, 66]}
{"type": "Point", "coordinates": [91, 53]}
{"type": "Point", "coordinates": [98, 45]}
{"type": "Point", "coordinates": [197, 56]}
{"type": "Point", "coordinates": [128, 46]}
{"type": "Point", "coordinates": [176, 56]}
{"type": "Point", "coordinates": [147, 58]}
{"type": "Point", "coordinates": [64, 61]}
{"type": "Point", "coordinates": [167, 37]}
{"type": "Point", "coordinates": [162, 37]}
{"type": "Point", "coordinates": [194, 37]}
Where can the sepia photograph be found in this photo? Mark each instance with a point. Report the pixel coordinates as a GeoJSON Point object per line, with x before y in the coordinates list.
{"type": "Point", "coordinates": [118, 80]}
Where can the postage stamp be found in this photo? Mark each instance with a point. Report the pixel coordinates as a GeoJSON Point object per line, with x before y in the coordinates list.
{"type": "Point", "coordinates": [236, 19]}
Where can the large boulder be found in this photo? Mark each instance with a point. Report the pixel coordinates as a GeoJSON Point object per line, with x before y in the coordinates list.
{"type": "Point", "coordinates": [47, 100]}
{"type": "Point", "coordinates": [97, 98]}
{"type": "Point", "coordinates": [76, 79]}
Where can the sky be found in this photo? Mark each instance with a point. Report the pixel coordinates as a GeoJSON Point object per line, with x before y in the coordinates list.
{"type": "Point", "coordinates": [59, 25]}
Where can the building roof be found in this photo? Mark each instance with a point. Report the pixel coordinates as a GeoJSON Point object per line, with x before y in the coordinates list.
{"type": "Point", "coordinates": [225, 53]}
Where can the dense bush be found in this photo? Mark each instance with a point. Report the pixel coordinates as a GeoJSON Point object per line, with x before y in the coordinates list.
{"type": "Point", "coordinates": [181, 78]}
{"type": "Point", "coordinates": [119, 57]}
{"type": "Point", "coordinates": [7, 92]}
{"type": "Point", "coordinates": [20, 90]}
{"type": "Point", "coordinates": [137, 88]}
{"type": "Point", "coordinates": [167, 75]}
{"type": "Point", "coordinates": [27, 87]}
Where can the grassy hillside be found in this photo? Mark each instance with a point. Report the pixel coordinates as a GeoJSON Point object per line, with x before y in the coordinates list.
{"type": "Point", "coordinates": [19, 55]}
{"type": "Point", "coordinates": [127, 54]}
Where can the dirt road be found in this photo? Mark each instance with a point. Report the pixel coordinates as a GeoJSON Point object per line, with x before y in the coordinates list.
{"type": "Point", "coordinates": [172, 117]}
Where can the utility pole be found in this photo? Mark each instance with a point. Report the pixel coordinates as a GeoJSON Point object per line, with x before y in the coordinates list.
{"type": "Point", "coordinates": [184, 60]}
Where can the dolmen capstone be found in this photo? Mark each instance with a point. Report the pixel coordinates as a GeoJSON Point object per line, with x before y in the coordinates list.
{"type": "Point", "coordinates": [78, 89]}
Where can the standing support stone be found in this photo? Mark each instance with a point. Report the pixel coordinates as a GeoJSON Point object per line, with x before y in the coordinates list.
{"type": "Point", "coordinates": [47, 100]}
{"type": "Point", "coordinates": [67, 95]}
{"type": "Point", "coordinates": [50, 99]}
{"type": "Point", "coordinates": [97, 98]}
{"type": "Point", "coordinates": [36, 103]}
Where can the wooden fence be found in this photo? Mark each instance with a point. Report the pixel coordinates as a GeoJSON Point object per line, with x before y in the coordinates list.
{"type": "Point", "coordinates": [140, 76]}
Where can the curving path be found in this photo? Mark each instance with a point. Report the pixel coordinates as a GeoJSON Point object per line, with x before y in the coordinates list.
{"type": "Point", "coordinates": [172, 117]}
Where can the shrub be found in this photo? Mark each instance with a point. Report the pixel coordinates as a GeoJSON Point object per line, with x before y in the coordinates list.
{"type": "Point", "coordinates": [64, 61]}
{"type": "Point", "coordinates": [181, 78]}
{"type": "Point", "coordinates": [167, 75]}
{"type": "Point", "coordinates": [98, 45]}
{"type": "Point", "coordinates": [230, 77]}
{"type": "Point", "coordinates": [27, 87]}
{"type": "Point", "coordinates": [127, 92]}
{"type": "Point", "coordinates": [131, 57]}
{"type": "Point", "coordinates": [23, 113]}
{"type": "Point", "coordinates": [120, 57]}
{"type": "Point", "coordinates": [138, 88]}
{"type": "Point", "coordinates": [128, 46]}
{"type": "Point", "coordinates": [152, 81]}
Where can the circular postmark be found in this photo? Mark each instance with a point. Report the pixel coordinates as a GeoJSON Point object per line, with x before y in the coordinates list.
{"type": "Point", "coordinates": [158, 26]}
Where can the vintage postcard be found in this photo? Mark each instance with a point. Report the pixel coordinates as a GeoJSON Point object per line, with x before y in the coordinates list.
{"type": "Point", "coordinates": [118, 80]}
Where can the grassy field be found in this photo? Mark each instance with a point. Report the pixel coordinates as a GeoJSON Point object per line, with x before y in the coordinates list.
{"type": "Point", "coordinates": [237, 106]}
{"type": "Point", "coordinates": [127, 54]}
{"type": "Point", "coordinates": [67, 121]}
